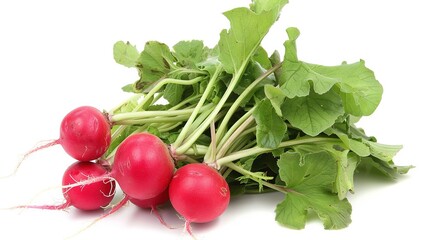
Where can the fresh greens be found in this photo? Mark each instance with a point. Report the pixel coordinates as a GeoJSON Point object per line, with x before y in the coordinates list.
{"type": "Point", "coordinates": [313, 113]}
{"type": "Point", "coordinates": [270, 128]}
{"type": "Point", "coordinates": [266, 123]}
{"type": "Point", "coordinates": [309, 179]}
{"type": "Point", "coordinates": [325, 92]}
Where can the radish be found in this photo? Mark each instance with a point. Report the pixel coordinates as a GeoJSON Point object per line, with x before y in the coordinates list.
{"type": "Point", "coordinates": [199, 193]}
{"type": "Point", "coordinates": [87, 197]}
{"type": "Point", "coordinates": [84, 134]}
{"type": "Point", "coordinates": [142, 166]}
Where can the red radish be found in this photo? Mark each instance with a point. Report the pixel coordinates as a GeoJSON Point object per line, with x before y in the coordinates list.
{"type": "Point", "coordinates": [142, 166]}
{"type": "Point", "coordinates": [199, 193]}
{"type": "Point", "coordinates": [153, 203]}
{"type": "Point", "coordinates": [84, 134]}
{"type": "Point", "coordinates": [91, 196]}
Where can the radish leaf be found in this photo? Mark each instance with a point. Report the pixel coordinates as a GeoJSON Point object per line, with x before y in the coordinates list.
{"type": "Point", "coordinates": [310, 179]}
{"type": "Point", "coordinates": [125, 54]}
{"type": "Point", "coordinates": [313, 113]}
{"type": "Point", "coordinates": [248, 28]}
{"type": "Point", "coordinates": [270, 129]}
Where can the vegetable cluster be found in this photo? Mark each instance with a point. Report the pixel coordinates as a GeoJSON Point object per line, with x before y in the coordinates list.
{"type": "Point", "coordinates": [266, 122]}
{"type": "Point", "coordinates": [243, 120]}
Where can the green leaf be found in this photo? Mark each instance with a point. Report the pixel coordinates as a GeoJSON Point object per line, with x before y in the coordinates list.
{"type": "Point", "coordinates": [276, 97]}
{"type": "Point", "coordinates": [359, 89]}
{"type": "Point", "coordinates": [388, 169]}
{"type": "Point", "coordinates": [211, 62]}
{"type": "Point", "coordinates": [356, 145]}
{"type": "Point", "coordinates": [154, 63]}
{"type": "Point", "coordinates": [129, 105]}
{"type": "Point", "coordinates": [382, 158]}
{"type": "Point", "coordinates": [173, 93]}
{"type": "Point", "coordinates": [217, 91]}
{"type": "Point", "coordinates": [128, 88]}
{"type": "Point", "coordinates": [346, 165]}
{"type": "Point", "coordinates": [310, 179]}
{"type": "Point", "coordinates": [156, 57]}
{"type": "Point", "coordinates": [253, 71]}
{"type": "Point", "coordinates": [270, 128]}
{"type": "Point", "coordinates": [125, 54]}
{"type": "Point", "coordinates": [247, 162]}
{"type": "Point", "coordinates": [291, 53]}
{"type": "Point", "coordinates": [261, 57]}
{"type": "Point", "coordinates": [248, 28]}
{"type": "Point", "coordinates": [295, 76]}
{"type": "Point", "coordinates": [313, 113]}
{"type": "Point", "coordinates": [189, 53]}
{"type": "Point", "coordinates": [383, 152]}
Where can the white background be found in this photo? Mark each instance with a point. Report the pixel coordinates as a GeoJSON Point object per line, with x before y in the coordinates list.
{"type": "Point", "coordinates": [57, 55]}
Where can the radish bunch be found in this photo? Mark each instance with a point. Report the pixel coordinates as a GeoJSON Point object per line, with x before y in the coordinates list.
{"type": "Point", "coordinates": [143, 167]}
{"type": "Point", "coordinates": [85, 136]}
{"type": "Point", "coordinates": [203, 124]}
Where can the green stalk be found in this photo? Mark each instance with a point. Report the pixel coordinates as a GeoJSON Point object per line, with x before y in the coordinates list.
{"type": "Point", "coordinates": [250, 144]}
{"type": "Point", "coordinates": [183, 71]}
{"type": "Point", "coordinates": [227, 172]}
{"type": "Point", "coordinates": [222, 128]}
{"type": "Point", "coordinates": [197, 150]}
{"type": "Point", "coordinates": [197, 122]}
{"type": "Point", "coordinates": [258, 150]}
{"type": "Point", "coordinates": [257, 178]}
{"type": "Point", "coordinates": [232, 136]}
{"type": "Point", "coordinates": [163, 82]}
{"type": "Point", "coordinates": [166, 127]}
{"type": "Point", "coordinates": [212, 116]}
{"type": "Point", "coordinates": [241, 143]}
{"type": "Point", "coordinates": [247, 173]}
{"type": "Point", "coordinates": [149, 97]}
{"type": "Point", "coordinates": [240, 138]}
{"type": "Point", "coordinates": [231, 131]}
{"type": "Point", "coordinates": [246, 117]}
{"type": "Point", "coordinates": [162, 119]}
{"type": "Point", "coordinates": [196, 126]}
{"type": "Point", "coordinates": [186, 101]}
{"type": "Point", "coordinates": [123, 117]}
{"type": "Point", "coordinates": [184, 133]}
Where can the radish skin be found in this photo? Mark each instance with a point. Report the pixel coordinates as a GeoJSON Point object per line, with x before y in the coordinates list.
{"type": "Point", "coordinates": [81, 193]}
{"type": "Point", "coordinates": [91, 196]}
{"type": "Point", "coordinates": [84, 135]}
{"type": "Point", "coordinates": [198, 193]}
{"type": "Point", "coordinates": [142, 166]}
